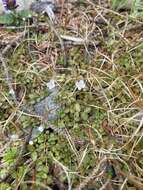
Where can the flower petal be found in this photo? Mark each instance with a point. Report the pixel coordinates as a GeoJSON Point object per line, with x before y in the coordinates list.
{"type": "Point", "coordinates": [41, 128]}
{"type": "Point", "coordinates": [51, 84]}
{"type": "Point", "coordinates": [31, 142]}
{"type": "Point", "coordinates": [80, 84]}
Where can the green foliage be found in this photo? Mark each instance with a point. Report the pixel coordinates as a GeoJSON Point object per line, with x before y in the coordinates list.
{"type": "Point", "coordinates": [7, 19]}
{"type": "Point", "coordinates": [15, 18]}
{"type": "Point", "coordinates": [10, 155]}
{"type": "Point", "coordinates": [5, 186]}
{"type": "Point", "coordinates": [117, 4]}
{"type": "Point", "coordinates": [132, 5]}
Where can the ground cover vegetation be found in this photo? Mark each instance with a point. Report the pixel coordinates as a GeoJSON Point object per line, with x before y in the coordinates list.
{"type": "Point", "coordinates": [92, 56]}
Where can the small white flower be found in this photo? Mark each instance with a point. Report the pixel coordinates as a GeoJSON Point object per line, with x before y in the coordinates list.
{"type": "Point", "coordinates": [14, 137]}
{"type": "Point", "coordinates": [41, 128]}
{"type": "Point", "coordinates": [31, 142]}
{"type": "Point", "coordinates": [29, 16]}
{"type": "Point", "coordinates": [11, 92]}
{"type": "Point", "coordinates": [80, 84]}
{"type": "Point", "coordinates": [51, 84]}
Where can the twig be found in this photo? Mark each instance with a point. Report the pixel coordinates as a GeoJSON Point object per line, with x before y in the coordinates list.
{"type": "Point", "coordinates": [60, 40]}
{"type": "Point", "coordinates": [13, 42]}
{"type": "Point", "coordinates": [106, 186]}
{"type": "Point", "coordinates": [91, 176]}
{"type": "Point", "coordinates": [5, 66]}
{"type": "Point", "coordinates": [132, 179]}
{"type": "Point", "coordinates": [8, 78]}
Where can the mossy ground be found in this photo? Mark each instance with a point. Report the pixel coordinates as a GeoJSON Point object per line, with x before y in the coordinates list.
{"type": "Point", "coordinates": [98, 140]}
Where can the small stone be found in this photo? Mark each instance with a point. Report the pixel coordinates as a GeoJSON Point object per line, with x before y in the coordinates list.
{"type": "Point", "coordinates": [48, 107]}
